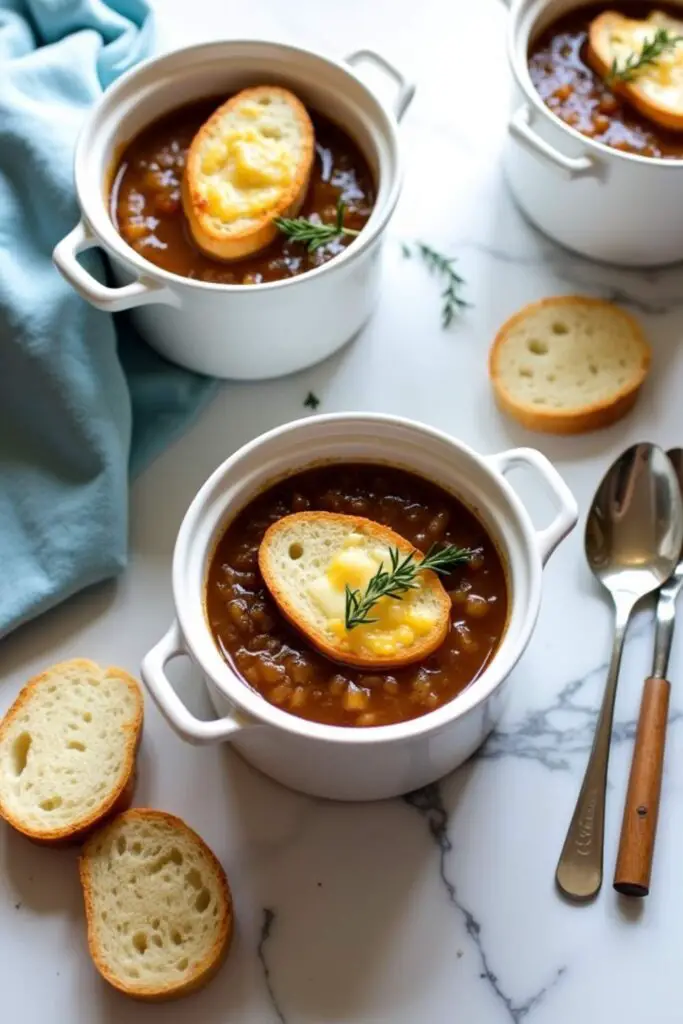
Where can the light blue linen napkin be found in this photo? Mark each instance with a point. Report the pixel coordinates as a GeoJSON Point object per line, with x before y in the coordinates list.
{"type": "Point", "coordinates": [83, 400]}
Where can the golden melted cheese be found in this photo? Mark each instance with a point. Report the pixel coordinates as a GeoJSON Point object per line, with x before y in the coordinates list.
{"type": "Point", "coordinates": [247, 165]}
{"type": "Point", "coordinates": [399, 623]}
{"type": "Point", "coordinates": [662, 79]}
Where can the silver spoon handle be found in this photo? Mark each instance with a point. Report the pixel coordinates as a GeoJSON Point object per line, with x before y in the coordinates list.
{"type": "Point", "coordinates": [666, 612]}
{"type": "Point", "coordinates": [579, 869]}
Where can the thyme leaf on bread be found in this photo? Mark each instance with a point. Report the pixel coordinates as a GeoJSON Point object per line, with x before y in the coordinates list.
{"type": "Point", "coordinates": [399, 580]}
{"type": "Point", "coordinates": [311, 234]}
{"type": "Point", "coordinates": [652, 49]}
{"type": "Point", "coordinates": [442, 266]}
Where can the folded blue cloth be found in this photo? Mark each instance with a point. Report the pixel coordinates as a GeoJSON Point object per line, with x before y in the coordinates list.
{"type": "Point", "coordinates": [83, 401]}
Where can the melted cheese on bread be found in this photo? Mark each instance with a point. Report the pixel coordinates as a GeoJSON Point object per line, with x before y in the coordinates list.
{"type": "Point", "coordinates": [309, 559]}
{"type": "Point", "coordinates": [656, 89]}
{"type": "Point", "coordinates": [248, 164]}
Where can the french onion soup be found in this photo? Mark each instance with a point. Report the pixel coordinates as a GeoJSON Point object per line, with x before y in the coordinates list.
{"type": "Point", "coordinates": [280, 663]}
{"type": "Point", "coordinates": [147, 209]}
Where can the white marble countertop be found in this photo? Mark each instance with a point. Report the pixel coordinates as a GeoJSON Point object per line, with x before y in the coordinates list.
{"type": "Point", "coordinates": [440, 907]}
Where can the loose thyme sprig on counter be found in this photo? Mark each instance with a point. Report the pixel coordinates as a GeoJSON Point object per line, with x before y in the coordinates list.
{"type": "Point", "coordinates": [399, 580]}
{"type": "Point", "coordinates": [312, 235]}
{"type": "Point", "coordinates": [441, 265]}
{"type": "Point", "coordinates": [661, 42]}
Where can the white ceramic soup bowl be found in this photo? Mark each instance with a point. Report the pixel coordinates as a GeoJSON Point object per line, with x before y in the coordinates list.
{"type": "Point", "coordinates": [245, 332]}
{"type": "Point", "coordinates": [334, 761]}
{"type": "Point", "coordinates": [611, 206]}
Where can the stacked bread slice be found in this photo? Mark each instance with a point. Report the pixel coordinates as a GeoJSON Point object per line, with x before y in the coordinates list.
{"type": "Point", "coordinates": [158, 905]}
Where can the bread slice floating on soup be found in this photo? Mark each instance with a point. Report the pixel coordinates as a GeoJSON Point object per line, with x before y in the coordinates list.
{"type": "Point", "coordinates": [642, 59]}
{"type": "Point", "coordinates": [278, 607]}
{"type": "Point", "coordinates": [319, 565]}
{"type": "Point", "coordinates": [249, 164]}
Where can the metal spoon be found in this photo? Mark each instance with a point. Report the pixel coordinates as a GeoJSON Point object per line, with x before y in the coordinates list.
{"type": "Point", "coordinates": [641, 809]}
{"type": "Point", "coordinates": [633, 539]}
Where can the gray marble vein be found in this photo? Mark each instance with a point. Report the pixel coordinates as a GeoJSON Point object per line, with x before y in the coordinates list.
{"type": "Point", "coordinates": [264, 935]}
{"type": "Point", "coordinates": [536, 738]}
{"type": "Point", "coordinates": [428, 802]}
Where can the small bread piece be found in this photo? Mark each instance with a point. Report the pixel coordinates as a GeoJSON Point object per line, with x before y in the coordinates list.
{"type": "Point", "coordinates": [569, 364]}
{"type": "Point", "coordinates": [308, 559]}
{"type": "Point", "coordinates": [248, 164]}
{"type": "Point", "coordinates": [157, 903]}
{"type": "Point", "coordinates": [656, 90]}
{"type": "Point", "coordinates": [67, 750]}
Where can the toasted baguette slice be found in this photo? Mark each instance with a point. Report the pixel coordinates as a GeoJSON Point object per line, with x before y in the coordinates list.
{"type": "Point", "coordinates": [248, 164]}
{"type": "Point", "coordinates": [307, 560]}
{"type": "Point", "coordinates": [567, 365]}
{"type": "Point", "coordinates": [67, 750]}
{"type": "Point", "coordinates": [656, 89]}
{"type": "Point", "coordinates": [157, 903]}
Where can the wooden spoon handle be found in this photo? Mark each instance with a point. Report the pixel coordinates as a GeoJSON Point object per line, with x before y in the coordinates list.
{"type": "Point", "coordinates": [639, 825]}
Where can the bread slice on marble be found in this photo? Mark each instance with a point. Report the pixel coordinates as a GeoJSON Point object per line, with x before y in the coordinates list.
{"type": "Point", "coordinates": [157, 903]}
{"type": "Point", "coordinates": [568, 365]}
{"type": "Point", "coordinates": [67, 750]}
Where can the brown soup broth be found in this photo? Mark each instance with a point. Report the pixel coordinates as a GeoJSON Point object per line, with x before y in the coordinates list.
{"type": "Point", "coordinates": [278, 662]}
{"type": "Point", "coordinates": [146, 208]}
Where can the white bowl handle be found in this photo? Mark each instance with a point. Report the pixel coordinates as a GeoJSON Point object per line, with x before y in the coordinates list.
{"type": "Point", "coordinates": [153, 672]}
{"type": "Point", "coordinates": [568, 513]}
{"type": "Point", "coordinates": [405, 88]}
{"type": "Point", "coordinates": [111, 300]}
{"type": "Point", "coordinates": [521, 130]}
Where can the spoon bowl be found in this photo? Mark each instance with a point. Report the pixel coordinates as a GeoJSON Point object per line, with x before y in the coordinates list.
{"type": "Point", "coordinates": [635, 524]}
{"type": "Point", "coordinates": [633, 538]}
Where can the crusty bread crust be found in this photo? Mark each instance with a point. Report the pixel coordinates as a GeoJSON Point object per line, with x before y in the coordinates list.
{"type": "Point", "coordinates": [421, 648]}
{"type": "Point", "coordinates": [225, 929]}
{"type": "Point", "coordinates": [599, 59]}
{"type": "Point", "coordinates": [262, 231]}
{"type": "Point", "coordinates": [120, 796]}
{"type": "Point", "coordinates": [582, 419]}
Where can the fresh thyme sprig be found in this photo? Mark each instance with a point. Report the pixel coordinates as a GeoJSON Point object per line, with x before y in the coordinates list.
{"type": "Point", "coordinates": [312, 235]}
{"type": "Point", "coordinates": [661, 42]}
{"type": "Point", "coordinates": [442, 266]}
{"type": "Point", "coordinates": [399, 580]}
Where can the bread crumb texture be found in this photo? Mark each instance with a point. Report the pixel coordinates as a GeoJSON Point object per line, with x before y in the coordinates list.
{"type": "Point", "coordinates": [158, 904]}
{"type": "Point", "coordinates": [569, 358]}
{"type": "Point", "coordinates": [67, 747]}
